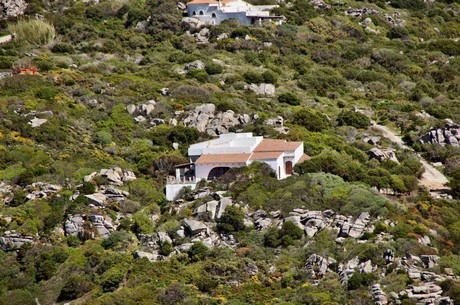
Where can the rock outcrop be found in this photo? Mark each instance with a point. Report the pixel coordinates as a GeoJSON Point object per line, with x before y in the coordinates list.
{"type": "Point", "coordinates": [317, 266]}
{"type": "Point", "coordinates": [115, 176]}
{"type": "Point", "coordinates": [194, 226]}
{"type": "Point", "coordinates": [212, 210]}
{"type": "Point", "coordinates": [12, 8]}
{"type": "Point", "coordinates": [83, 226]}
{"type": "Point", "coordinates": [144, 113]}
{"type": "Point", "coordinates": [262, 89]}
{"type": "Point", "coordinates": [382, 154]}
{"type": "Point", "coordinates": [205, 119]}
{"type": "Point", "coordinates": [449, 135]}
{"type": "Point", "coordinates": [426, 293]}
{"type": "Point", "coordinates": [378, 295]}
{"type": "Point", "coordinates": [13, 241]}
{"type": "Point", "coordinates": [36, 122]}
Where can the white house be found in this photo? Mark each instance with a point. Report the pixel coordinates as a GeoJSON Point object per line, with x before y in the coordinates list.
{"type": "Point", "coordinates": [214, 12]}
{"type": "Point", "coordinates": [212, 159]}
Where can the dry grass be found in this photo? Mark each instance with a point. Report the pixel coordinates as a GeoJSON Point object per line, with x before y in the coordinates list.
{"type": "Point", "coordinates": [35, 32]}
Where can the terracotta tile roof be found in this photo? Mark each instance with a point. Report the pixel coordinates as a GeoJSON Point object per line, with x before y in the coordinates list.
{"type": "Point", "coordinates": [266, 155]}
{"type": "Point", "coordinates": [202, 2]}
{"type": "Point", "coordinates": [304, 158]}
{"type": "Point", "coordinates": [276, 145]}
{"type": "Point", "coordinates": [222, 158]}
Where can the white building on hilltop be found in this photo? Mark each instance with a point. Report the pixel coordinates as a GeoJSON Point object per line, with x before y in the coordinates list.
{"type": "Point", "coordinates": [214, 12]}
{"type": "Point", "coordinates": [212, 159]}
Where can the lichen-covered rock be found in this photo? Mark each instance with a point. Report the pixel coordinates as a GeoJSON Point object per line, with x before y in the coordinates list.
{"type": "Point", "coordinates": [74, 225]}
{"type": "Point", "coordinates": [151, 256]}
{"type": "Point", "coordinates": [262, 89]}
{"type": "Point", "coordinates": [194, 226]}
{"type": "Point", "coordinates": [98, 199]}
{"type": "Point", "coordinates": [378, 295]}
{"type": "Point", "coordinates": [12, 8]}
{"type": "Point", "coordinates": [13, 241]}
{"type": "Point", "coordinates": [449, 135]}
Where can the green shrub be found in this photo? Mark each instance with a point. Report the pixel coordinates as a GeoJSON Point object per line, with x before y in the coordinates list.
{"type": "Point", "coordinates": [213, 68]}
{"type": "Point", "coordinates": [353, 118]}
{"type": "Point", "coordinates": [289, 98]}
{"type": "Point", "coordinates": [199, 75]}
{"type": "Point", "coordinates": [454, 183]}
{"type": "Point", "coordinates": [44, 65]}
{"type": "Point", "coordinates": [446, 46]}
{"type": "Point", "coordinates": [166, 248]}
{"type": "Point", "coordinates": [269, 77]}
{"type": "Point", "coordinates": [112, 278]}
{"type": "Point", "coordinates": [115, 239]}
{"type": "Point", "coordinates": [272, 237]}
{"type": "Point", "coordinates": [311, 120]}
{"type": "Point", "coordinates": [62, 47]}
{"type": "Point", "coordinates": [289, 233]}
{"type": "Point", "coordinates": [252, 77]}
{"type": "Point", "coordinates": [75, 286]}
{"type": "Point", "coordinates": [175, 293]}
{"type": "Point", "coordinates": [197, 252]}
{"type": "Point", "coordinates": [103, 137]}
{"type": "Point", "coordinates": [142, 223]}
{"type": "Point", "coordinates": [397, 32]}
{"type": "Point", "coordinates": [18, 84]}
{"type": "Point", "coordinates": [231, 221]}
{"type": "Point", "coordinates": [323, 81]}
{"type": "Point", "coordinates": [240, 32]}
{"type": "Point", "coordinates": [47, 93]}
{"type": "Point", "coordinates": [329, 161]}
{"type": "Point", "coordinates": [415, 5]}
{"type": "Point", "coordinates": [191, 94]}
{"type": "Point", "coordinates": [5, 63]}
{"type": "Point", "coordinates": [358, 280]}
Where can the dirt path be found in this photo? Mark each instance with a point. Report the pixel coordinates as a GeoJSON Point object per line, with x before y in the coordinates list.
{"type": "Point", "coordinates": [432, 178]}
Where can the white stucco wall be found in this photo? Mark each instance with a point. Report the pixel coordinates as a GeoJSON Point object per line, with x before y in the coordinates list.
{"type": "Point", "coordinates": [298, 153]}
{"type": "Point", "coordinates": [277, 165]}
{"type": "Point", "coordinates": [172, 190]}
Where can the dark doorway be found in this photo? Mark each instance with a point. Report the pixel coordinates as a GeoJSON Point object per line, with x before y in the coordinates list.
{"type": "Point", "coordinates": [216, 172]}
{"type": "Point", "coordinates": [288, 167]}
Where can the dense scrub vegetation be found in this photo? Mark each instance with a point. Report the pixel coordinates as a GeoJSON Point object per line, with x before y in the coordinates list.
{"type": "Point", "coordinates": [333, 72]}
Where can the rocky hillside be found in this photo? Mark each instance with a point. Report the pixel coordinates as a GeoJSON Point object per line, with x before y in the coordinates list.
{"type": "Point", "coordinates": [99, 101]}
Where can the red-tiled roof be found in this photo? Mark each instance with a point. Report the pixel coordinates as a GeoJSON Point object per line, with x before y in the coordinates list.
{"type": "Point", "coordinates": [266, 155]}
{"type": "Point", "coordinates": [222, 158]}
{"type": "Point", "coordinates": [276, 145]}
{"type": "Point", "coordinates": [304, 158]}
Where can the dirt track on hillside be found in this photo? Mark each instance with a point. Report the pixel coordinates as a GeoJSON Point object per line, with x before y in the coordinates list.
{"type": "Point", "coordinates": [432, 178]}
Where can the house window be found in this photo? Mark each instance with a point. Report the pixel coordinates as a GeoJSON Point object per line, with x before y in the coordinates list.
{"type": "Point", "coordinates": [213, 15]}
{"type": "Point", "coordinates": [288, 167]}
{"type": "Point", "coordinates": [201, 13]}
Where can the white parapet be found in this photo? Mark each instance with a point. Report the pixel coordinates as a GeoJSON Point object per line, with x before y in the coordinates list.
{"type": "Point", "coordinates": [172, 190]}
